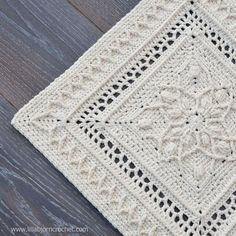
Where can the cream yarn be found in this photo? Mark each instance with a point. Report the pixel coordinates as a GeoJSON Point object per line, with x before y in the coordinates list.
{"type": "Point", "coordinates": [143, 124]}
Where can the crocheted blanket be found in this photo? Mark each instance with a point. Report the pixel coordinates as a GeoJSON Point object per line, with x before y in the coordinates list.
{"type": "Point", "coordinates": [143, 124]}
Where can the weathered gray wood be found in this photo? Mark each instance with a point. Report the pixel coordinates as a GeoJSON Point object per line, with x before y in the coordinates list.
{"type": "Point", "coordinates": [34, 193]}
{"type": "Point", "coordinates": [104, 13]}
{"type": "Point", "coordinates": [39, 40]}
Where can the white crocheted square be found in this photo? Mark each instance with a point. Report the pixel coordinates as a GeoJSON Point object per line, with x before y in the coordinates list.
{"type": "Point", "coordinates": [143, 124]}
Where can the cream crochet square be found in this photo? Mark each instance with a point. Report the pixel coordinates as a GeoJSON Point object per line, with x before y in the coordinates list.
{"type": "Point", "coordinates": [143, 124]}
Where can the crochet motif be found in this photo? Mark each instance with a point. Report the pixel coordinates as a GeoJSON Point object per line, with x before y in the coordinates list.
{"type": "Point", "coordinates": [197, 121]}
{"type": "Point", "coordinates": [143, 124]}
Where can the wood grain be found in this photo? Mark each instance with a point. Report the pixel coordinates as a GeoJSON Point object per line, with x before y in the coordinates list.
{"type": "Point", "coordinates": [38, 41]}
{"type": "Point", "coordinates": [34, 193]}
{"type": "Point", "coordinates": [104, 13]}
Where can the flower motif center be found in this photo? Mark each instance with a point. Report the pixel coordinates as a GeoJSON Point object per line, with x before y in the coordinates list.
{"type": "Point", "coordinates": [196, 121]}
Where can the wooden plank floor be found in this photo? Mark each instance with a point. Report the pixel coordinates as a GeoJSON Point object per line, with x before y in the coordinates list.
{"type": "Point", "coordinates": [38, 41]}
